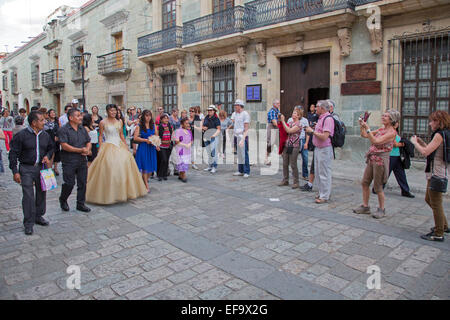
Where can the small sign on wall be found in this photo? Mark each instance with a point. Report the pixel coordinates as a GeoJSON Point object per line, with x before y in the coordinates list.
{"type": "Point", "coordinates": [254, 93]}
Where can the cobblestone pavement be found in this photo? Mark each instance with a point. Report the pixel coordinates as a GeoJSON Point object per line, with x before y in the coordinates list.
{"type": "Point", "coordinates": [223, 237]}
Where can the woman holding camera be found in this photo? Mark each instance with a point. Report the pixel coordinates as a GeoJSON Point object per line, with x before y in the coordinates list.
{"type": "Point", "coordinates": [436, 171]}
{"type": "Point", "coordinates": [292, 148]}
{"type": "Point", "coordinates": [377, 169]}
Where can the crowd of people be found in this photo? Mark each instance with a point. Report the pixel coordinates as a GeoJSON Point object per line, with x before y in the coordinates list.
{"type": "Point", "coordinates": [96, 157]}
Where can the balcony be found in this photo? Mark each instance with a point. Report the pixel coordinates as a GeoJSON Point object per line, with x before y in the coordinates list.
{"type": "Point", "coordinates": [76, 73]}
{"type": "Point", "coordinates": [160, 41]}
{"type": "Point", "coordinates": [215, 25]}
{"type": "Point", "coordinates": [53, 79]}
{"type": "Point", "coordinates": [114, 63]}
{"type": "Point", "coordinates": [35, 85]}
{"type": "Point", "coordinates": [261, 13]}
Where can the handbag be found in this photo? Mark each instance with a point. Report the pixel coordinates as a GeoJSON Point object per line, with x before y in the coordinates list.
{"type": "Point", "coordinates": [290, 149]}
{"type": "Point", "coordinates": [48, 179]}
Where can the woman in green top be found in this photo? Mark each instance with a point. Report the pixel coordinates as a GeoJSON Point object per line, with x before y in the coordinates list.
{"type": "Point", "coordinates": [395, 165]}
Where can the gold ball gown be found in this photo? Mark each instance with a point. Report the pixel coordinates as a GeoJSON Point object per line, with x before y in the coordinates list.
{"type": "Point", "coordinates": [114, 176]}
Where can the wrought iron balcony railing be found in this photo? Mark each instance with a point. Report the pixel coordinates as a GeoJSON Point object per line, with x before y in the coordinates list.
{"type": "Point", "coordinates": [159, 41]}
{"type": "Point", "coordinates": [215, 25]}
{"type": "Point", "coordinates": [76, 72]}
{"type": "Point", "coordinates": [362, 2]}
{"type": "Point", "coordinates": [261, 13]}
{"type": "Point", "coordinates": [53, 78]}
{"type": "Point", "coordinates": [117, 62]}
{"type": "Point", "coordinates": [35, 80]}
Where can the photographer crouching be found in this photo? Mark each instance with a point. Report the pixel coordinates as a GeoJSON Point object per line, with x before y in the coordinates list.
{"type": "Point", "coordinates": [377, 169]}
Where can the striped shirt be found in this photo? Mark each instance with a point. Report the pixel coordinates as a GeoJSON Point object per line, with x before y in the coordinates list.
{"type": "Point", "coordinates": [165, 141]}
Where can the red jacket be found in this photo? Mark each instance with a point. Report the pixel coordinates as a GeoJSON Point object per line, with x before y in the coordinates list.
{"type": "Point", "coordinates": [283, 137]}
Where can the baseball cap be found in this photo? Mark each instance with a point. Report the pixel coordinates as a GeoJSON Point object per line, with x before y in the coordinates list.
{"type": "Point", "coordinates": [239, 102]}
{"type": "Point", "coordinates": [75, 101]}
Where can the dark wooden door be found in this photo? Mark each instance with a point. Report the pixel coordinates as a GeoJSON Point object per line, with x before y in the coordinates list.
{"type": "Point", "coordinates": [299, 75]}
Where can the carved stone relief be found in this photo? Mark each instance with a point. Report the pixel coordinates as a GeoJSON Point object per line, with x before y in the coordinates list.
{"type": "Point", "coordinates": [261, 52]}
{"type": "Point", "coordinates": [242, 54]}
{"type": "Point", "coordinates": [180, 65]}
{"type": "Point", "coordinates": [345, 41]}
{"type": "Point", "coordinates": [198, 64]}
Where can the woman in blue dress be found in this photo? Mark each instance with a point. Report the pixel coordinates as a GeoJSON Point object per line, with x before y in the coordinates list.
{"type": "Point", "coordinates": [146, 159]}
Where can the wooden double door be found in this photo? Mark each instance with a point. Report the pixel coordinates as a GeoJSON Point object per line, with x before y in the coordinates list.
{"type": "Point", "coordinates": [305, 80]}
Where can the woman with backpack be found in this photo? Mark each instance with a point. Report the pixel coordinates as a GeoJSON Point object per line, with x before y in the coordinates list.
{"type": "Point", "coordinates": [437, 153]}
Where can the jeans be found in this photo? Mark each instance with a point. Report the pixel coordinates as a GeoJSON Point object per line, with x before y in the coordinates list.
{"type": "Point", "coordinates": [304, 153]}
{"type": "Point", "coordinates": [211, 149]}
{"type": "Point", "coordinates": [243, 158]}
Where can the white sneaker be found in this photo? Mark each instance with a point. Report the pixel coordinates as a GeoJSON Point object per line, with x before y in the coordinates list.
{"type": "Point", "coordinates": [246, 176]}
{"type": "Point", "coordinates": [213, 170]}
{"type": "Point", "coordinates": [238, 174]}
{"type": "Point", "coordinates": [207, 169]}
{"type": "Point", "coordinates": [194, 167]}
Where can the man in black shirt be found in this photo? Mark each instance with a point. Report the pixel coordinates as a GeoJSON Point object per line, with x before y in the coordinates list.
{"type": "Point", "coordinates": [75, 147]}
{"type": "Point", "coordinates": [211, 130]}
{"type": "Point", "coordinates": [32, 147]}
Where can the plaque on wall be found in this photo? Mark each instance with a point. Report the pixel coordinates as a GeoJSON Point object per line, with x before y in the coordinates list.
{"type": "Point", "coordinates": [254, 93]}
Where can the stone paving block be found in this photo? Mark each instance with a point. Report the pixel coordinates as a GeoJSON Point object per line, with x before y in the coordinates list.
{"type": "Point", "coordinates": [109, 250]}
{"type": "Point", "coordinates": [313, 255]}
{"type": "Point", "coordinates": [104, 294]}
{"type": "Point", "coordinates": [262, 254]}
{"type": "Point", "coordinates": [412, 267]}
{"type": "Point", "coordinates": [401, 253]}
{"type": "Point", "coordinates": [217, 293]}
{"type": "Point", "coordinates": [202, 267]}
{"type": "Point", "coordinates": [157, 274]}
{"type": "Point", "coordinates": [12, 279]}
{"type": "Point", "coordinates": [291, 287]}
{"type": "Point", "coordinates": [317, 269]}
{"type": "Point", "coordinates": [75, 244]}
{"type": "Point", "coordinates": [209, 280]}
{"type": "Point", "coordinates": [114, 241]}
{"type": "Point", "coordinates": [426, 254]}
{"type": "Point", "coordinates": [154, 253]}
{"type": "Point", "coordinates": [64, 296]}
{"type": "Point", "coordinates": [128, 285]}
{"type": "Point", "coordinates": [135, 242]}
{"type": "Point", "coordinates": [387, 241]}
{"type": "Point", "coordinates": [177, 255]}
{"type": "Point", "coordinates": [247, 293]}
{"type": "Point", "coordinates": [138, 234]}
{"type": "Point", "coordinates": [304, 247]}
{"type": "Point", "coordinates": [295, 266]}
{"type": "Point", "coordinates": [279, 246]}
{"type": "Point", "coordinates": [132, 272]}
{"type": "Point", "coordinates": [399, 280]}
{"type": "Point", "coordinates": [23, 258]}
{"type": "Point", "coordinates": [355, 290]}
{"type": "Point", "coordinates": [183, 276]}
{"type": "Point", "coordinates": [387, 264]}
{"type": "Point", "coordinates": [438, 268]}
{"type": "Point", "coordinates": [155, 263]}
{"type": "Point", "coordinates": [424, 287]}
{"type": "Point", "coordinates": [387, 292]}
{"type": "Point", "coordinates": [331, 282]}
{"type": "Point", "coordinates": [101, 283]}
{"type": "Point", "coordinates": [443, 292]}
{"type": "Point", "coordinates": [117, 266]}
{"type": "Point", "coordinates": [179, 292]}
{"type": "Point", "coordinates": [342, 271]}
{"type": "Point", "coordinates": [149, 290]}
{"type": "Point", "coordinates": [183, 264]}
{"type": "Point", "coordinates": [359, 263]}
{"type": "Point", "coordinates": [236, 284]}
{"type": "Point", "coordinates": [81, 258]}
{"type": "Point", "coordinates": [38, 292]}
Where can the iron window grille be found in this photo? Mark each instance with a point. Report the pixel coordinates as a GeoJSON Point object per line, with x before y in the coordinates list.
{"type": "Point", "coordinates": [219, 84]}
{"type": "Point", "coordinates": [419, 79]}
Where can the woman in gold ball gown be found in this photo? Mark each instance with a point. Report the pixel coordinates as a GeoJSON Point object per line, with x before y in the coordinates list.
{"type": "Point", "coordinates": [113, 176]}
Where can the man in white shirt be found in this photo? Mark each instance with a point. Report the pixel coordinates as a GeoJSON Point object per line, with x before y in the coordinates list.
{"type": "Point", "coordinates": [63, 120]}
{"type": "Point", "coordinates": [241, 121]}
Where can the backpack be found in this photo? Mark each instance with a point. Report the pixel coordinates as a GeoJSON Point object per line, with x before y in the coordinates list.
{"type": "Point", "coordinates": [338, 139]}
{"type": "Point", "coordinates": [446, 136]}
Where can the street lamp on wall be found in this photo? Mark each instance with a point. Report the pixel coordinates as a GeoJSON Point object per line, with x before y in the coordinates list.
{"type": "Point", "coordinates": [82, 61]}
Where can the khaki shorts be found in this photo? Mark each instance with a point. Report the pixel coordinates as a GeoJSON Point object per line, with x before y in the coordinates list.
{"type": "Point", "coordinates": [375, 173]}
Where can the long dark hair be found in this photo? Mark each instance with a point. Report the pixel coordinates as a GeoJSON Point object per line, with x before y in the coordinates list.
{"type": "Point", "coordinates": [113, 106]}
{"type": "Point", "coordinates": [142, 120]}
{"type": "Point", "coordinates": [87, 121]}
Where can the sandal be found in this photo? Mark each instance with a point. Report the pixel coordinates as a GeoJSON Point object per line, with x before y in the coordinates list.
{"type": "Point", "coordinates": [321, 201]}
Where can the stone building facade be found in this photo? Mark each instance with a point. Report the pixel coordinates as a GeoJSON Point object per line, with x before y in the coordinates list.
{"type": "Point", "coordinates": [363, 54]}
